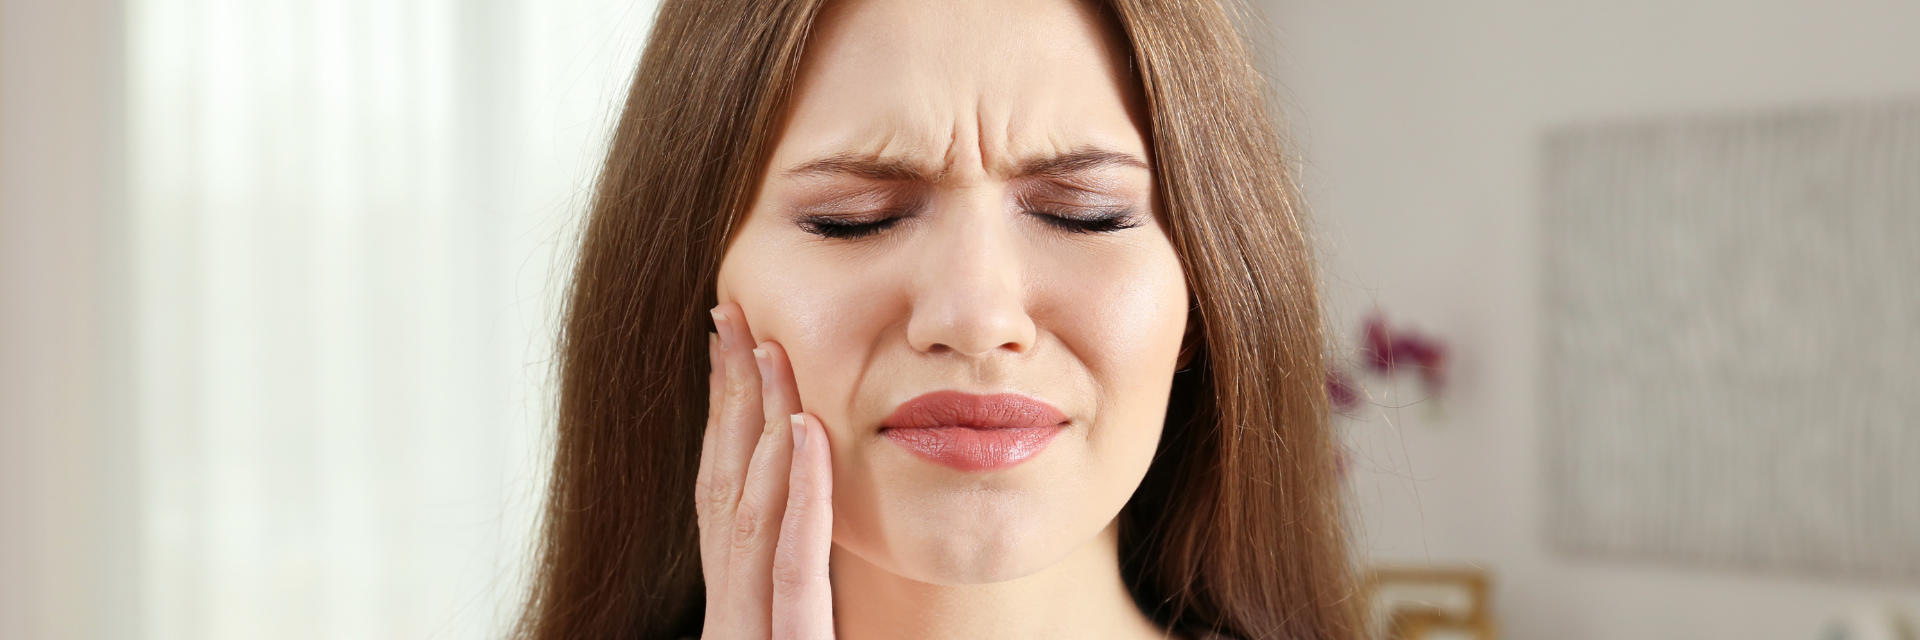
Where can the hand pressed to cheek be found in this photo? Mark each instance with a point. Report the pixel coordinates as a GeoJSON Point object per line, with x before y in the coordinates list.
{"type": "Point", "coordinates": [764, 564]}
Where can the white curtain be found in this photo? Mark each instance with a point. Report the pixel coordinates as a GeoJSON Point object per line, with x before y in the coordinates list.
{"type": "Point", "coordinates": [350, 222]}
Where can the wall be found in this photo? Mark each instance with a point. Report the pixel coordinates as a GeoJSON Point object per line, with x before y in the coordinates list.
{"type": "Point", "coordinates": [1418, 123]}
{"type": "Point", "coordinates": [63, 448]}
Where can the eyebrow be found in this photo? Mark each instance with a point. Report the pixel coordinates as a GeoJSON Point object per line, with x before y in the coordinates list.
{"type": "Point", "coordinates": [1078, 160]}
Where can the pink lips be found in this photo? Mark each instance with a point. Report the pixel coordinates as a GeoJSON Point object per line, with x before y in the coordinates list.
{"type": "Point", "coordinates": [974, 432]}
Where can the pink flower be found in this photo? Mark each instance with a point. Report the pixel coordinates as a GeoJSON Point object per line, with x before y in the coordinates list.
{"type": "Point", "coordinates": [1341, 390]}
{"type": "Point", "coordinates": [1378, 344]}
{"type": "Point", "coordinates": [1384, 351]}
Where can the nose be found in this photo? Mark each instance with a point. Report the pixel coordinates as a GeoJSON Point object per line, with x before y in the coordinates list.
{"type": "Point", "coordinates": [970, 294]}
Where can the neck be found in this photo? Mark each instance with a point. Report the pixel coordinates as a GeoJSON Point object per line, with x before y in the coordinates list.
{"type": "Point", "coordinates": [1082, 596]}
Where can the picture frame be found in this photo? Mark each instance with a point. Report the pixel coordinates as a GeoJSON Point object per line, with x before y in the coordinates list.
{"type": "Point", "coordinates": [1408, 602]}
{"type": "Point", "coordinates": [1427, 625]}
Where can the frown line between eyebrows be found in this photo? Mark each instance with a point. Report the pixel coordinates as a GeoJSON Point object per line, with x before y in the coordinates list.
{"type": "Point", "coordinates": [846, 163]}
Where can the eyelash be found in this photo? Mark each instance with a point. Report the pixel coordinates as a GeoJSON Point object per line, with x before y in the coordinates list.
{"type": "Point", "coordinates": [829, 227]}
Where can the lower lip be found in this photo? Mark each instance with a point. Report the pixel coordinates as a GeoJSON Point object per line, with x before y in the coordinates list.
{"type": "Point", "coordinates": [970, 449]}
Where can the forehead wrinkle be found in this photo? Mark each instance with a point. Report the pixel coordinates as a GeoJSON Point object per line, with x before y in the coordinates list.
{"type": "Point", "coordinates": [869, 44]}
{"type": "Point", "coordinates": [979, 131]}
{"type": "Point", "coordinates": [888, 153]}
{"type": "Point", "coordinates": [876, 166]}
{"type": "Point", "coordinates": [888, 145]}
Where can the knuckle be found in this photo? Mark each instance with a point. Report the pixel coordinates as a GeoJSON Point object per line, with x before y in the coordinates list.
{"type": "Point", "coordinates": [741, 387]}
{"type": "Point", "coordinates": [740, 409]}
{"type": "Point", "coordinates": [714, 495]}
{"type": "Point", "coordinates": [745, 533]}
{"type": "Point", "coordinates": [789, 573]}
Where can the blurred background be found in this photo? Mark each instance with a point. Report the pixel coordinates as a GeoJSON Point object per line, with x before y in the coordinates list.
{"type": "Point", "coordinates": [1623, 296]}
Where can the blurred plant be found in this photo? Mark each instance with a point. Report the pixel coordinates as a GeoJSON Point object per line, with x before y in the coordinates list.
{"type": "Point", "coordinates": [1341, 389]}
{"type": "Point", "coordinates": [1385, 352]}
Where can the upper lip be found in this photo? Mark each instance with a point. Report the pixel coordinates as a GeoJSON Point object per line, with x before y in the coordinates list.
{"type": "Point", "coordinates": [961, 409]}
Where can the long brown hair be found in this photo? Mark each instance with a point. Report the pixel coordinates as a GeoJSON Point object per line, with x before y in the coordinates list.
{"type": "Point", "coordinates": [1237, 526]}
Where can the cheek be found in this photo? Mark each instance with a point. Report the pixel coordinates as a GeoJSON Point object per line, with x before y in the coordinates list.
{"type": "Point", "coordinates": [784, 301]}
{"type": "Point", "coordinates": [1124, 314]}
{"type": "Point", "coordinates": [787, 294]}
{"type": "Point", "coordinates": [1130, 319]}
{"type": "Point", "coordinates": [815, 311]}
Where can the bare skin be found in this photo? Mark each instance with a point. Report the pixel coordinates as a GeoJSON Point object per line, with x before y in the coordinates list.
{"type": "Point", "coordinates": [764, 498]}
{"type": "Point", "coordinates": [1004, 127]}
{"type": "Point", "coordinates": [765, 510]}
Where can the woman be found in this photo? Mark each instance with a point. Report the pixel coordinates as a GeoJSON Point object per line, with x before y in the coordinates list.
{"type": "Point", "coordinates": [1015, 336]}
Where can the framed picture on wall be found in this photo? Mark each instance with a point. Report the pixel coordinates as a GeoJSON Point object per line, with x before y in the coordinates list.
{"type": "Point", "coordinates": [1429, 602]}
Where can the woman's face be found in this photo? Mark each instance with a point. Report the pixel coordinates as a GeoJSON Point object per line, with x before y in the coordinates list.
{"type": "Point", "coordinates": [932, 113]}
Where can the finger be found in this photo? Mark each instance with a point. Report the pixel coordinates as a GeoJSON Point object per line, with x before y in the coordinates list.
{"type": "Point", "coordinates": [734, 432]}
{"type": "Point", "coordinates": [779, 395]}
{"type": "Point", "coordinates": [763, 499]}
{"type": "Point", "coordinates": [739, 418]}
{"type": "Point", "coordinates": [716, 377]}
{"type": "Point", "coordinates": [712, 560]}
{"type": "Point", "coordinates": [802, 592]}
{"type": "Point", "coordinates": [716, 388]}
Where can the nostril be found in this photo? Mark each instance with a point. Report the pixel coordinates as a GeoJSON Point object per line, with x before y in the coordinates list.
{"type": "Point", "coordinates": [943, 348]}
{"type": "Point", "coordinates": [970, 328]}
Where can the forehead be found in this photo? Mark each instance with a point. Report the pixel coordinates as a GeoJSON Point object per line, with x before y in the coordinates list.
{"type": "Point", "coordinates": [958, 88]}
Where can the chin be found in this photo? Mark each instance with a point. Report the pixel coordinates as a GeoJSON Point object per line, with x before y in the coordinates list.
{"type": "Point", "coordinates": [979, 556]}
{"type": "Point", "coordinates": [974, 536]}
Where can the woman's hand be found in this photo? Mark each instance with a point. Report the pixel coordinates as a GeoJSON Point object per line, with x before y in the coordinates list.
{"type": "Point", "coordinates": [764, 496]}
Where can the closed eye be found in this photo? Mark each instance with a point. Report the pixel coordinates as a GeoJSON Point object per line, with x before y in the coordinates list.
{"type": "Point", "coordinates": [839, 228]}
{"type": "Point", "coordinates": [1102, 223]}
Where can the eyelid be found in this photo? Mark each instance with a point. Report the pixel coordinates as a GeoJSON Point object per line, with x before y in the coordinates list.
{"type": "Point", "coordinates": [1110, 219]}
{"type": "Point", "coordinates": [855, 227]}
{"type": "Point", "coordinates": [873, 199]}
{"type": "Point", "coordinates": [1075, 199]}
{"type": "Point", "coordinates": [1094, 185]}
{"type": "Point", "coordinates": [857, 218]}
{"type": "Point", "coordinates": [1096, 213]}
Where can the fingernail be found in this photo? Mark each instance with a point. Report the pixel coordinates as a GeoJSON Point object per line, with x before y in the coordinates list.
{"type": "Point", "coordinates": [760, 360]}
{"type": "Point", "coordinates": [799, 430]}
{"type": "Point", "coordinates": [720, 325]}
